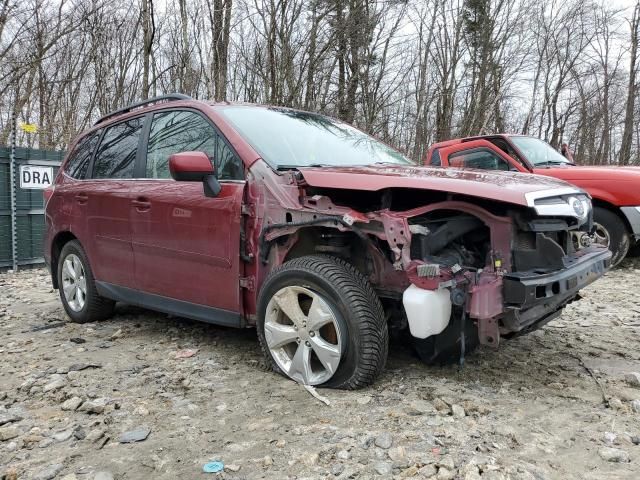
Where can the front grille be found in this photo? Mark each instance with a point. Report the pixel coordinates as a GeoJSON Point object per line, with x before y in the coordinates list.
{"type": "Point", "coordinates": [539, 251]}
{"type": "Point", "coordinates": [525, 241]}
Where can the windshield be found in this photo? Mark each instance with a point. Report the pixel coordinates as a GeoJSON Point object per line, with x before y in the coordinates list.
{"type": "Point", "coordinates": [539, 153]}
{"type": "Point", "coordinates": [289, 139]}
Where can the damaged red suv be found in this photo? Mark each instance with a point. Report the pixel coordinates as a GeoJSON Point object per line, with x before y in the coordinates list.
{"type": "Point", "coordinates": [313, 232]}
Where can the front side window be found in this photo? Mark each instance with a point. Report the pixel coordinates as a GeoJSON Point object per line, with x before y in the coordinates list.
{"type": "Point", "coordinates": [78, 162]}
{"type": "Point", "coordinates": [184, 131]}
{"type": "Point", "coordinates": [287, 138]}
{"type": "Point", "coordinates": [481, 158]}
{"type": "Point", "coordinates": [116, 155]}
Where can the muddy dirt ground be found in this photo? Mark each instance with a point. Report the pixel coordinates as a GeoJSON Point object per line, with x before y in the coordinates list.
{"type": "Point", "coordinates": [557, 404]}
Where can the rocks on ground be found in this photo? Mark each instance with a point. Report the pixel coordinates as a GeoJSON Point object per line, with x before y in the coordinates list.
{"type": "Point", "coordinates": [180, 392]}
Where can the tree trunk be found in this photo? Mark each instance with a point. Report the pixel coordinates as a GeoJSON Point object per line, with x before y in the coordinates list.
{"type": "Point", "coordinates": [183, 72]}
{"type": "Point", "coordinates": [627, 135]}
{"type": "Point", "coordinates": [148, 32]}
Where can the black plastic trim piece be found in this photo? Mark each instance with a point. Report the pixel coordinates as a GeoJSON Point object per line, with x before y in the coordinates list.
{"type": "Point", "coordinates": [194, 311]}
{"type": "Point", "coordinates": [528, 289]}
{"type": "Point", "coordinates": [92, 160]}
{"type": "Point", "coordinates": [548, 255]}
{"type": "Point", "coordinates": [140, 170]}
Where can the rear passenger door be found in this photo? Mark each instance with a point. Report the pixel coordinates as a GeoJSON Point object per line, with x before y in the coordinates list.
{"type": "Point", "coordinates": [186, 245]}
{"type": "Point", "coordinates": [73, 188]}
{"type": "Point", "coordinates": [105, 199]}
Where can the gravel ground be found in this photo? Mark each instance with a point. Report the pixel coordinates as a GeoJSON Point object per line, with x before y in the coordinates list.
{"type": "Point", "coordinates": [559, 403]}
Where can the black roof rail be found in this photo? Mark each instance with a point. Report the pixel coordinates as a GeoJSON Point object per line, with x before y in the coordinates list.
{"type": "Point", "coordinates": [171, 97]}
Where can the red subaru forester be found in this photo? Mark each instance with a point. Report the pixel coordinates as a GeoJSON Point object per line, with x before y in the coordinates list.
{"type": "Point", "coordinates": [312, 231]}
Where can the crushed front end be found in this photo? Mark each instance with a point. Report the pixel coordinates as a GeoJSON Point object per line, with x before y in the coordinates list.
{"type": "Point", "coordinates": [509, 271]}
{"type": "Point", "coordinates": [445, 265]}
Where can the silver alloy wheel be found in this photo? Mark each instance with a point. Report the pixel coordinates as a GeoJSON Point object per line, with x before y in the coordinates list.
{"type": "Point", "coordinates": [303, 335]}
{"type": "Point", "coordinates": [74, 283]}
{"type": "Point", "coordinates": [601, 235]}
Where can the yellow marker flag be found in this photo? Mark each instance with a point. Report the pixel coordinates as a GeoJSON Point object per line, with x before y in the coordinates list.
{"type": "Point", "coordinates": [29, 127]}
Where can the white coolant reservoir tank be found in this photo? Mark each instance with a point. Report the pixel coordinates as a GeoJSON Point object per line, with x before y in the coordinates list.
{"type": "Point", "coordinates": [428, 311]}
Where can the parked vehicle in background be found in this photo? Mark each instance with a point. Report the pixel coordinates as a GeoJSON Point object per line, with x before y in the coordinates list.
{"type": "Point", "coordinates": [615, 191]}
{"type": "Point", "coordinates": [312, 231]}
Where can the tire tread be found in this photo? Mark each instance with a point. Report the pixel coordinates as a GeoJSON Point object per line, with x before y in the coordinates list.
{"type": "Point", "coordinates": [617, 233]}
{"type": "Point", "coordinates": [358, 293]}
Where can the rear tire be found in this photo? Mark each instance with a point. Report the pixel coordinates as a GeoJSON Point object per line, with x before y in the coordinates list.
{"type": "Point", "coordinates": [77, 286]}
{"type": "Point", "coordinates": [445, 348]}
{"type": "Point", "coordinates": [335, 321]}
{"type": "Point", "coordinates": [611, 231]}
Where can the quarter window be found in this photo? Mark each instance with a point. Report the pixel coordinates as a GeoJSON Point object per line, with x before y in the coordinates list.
{"type": "Point", "coordinates": [184, 131]}
{"type": "Point", "coordinates": [116, 156]}
{"type": "Point", "coordinates": [435, 158]}
{"type": "Point", "coordinates": [78, 162]}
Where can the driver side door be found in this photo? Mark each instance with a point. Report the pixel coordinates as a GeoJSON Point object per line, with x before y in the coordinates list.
{"type": "Point", "coordinates": [186, 245]}
{"type": "Point", "coordinates": [478, 154]}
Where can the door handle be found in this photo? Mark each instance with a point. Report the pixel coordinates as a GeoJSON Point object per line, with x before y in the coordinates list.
{"type": "Point", "coordinates": [141, 204]}
{"type": "Point", "coordinates": [82, 198]}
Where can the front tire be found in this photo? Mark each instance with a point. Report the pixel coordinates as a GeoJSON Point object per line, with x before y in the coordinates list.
{"type": "Point", "coordinates": [77, 286]}
{"type": "Point", "coordinates": [611, 232]}
{"type": "Point", "coordinates": [320, 323]}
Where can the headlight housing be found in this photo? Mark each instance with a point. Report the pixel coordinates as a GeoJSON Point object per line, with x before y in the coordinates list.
{"type": "Point", "coordinates": [581, 205]}
{"type": "Point", "coordinates": [571, 203]}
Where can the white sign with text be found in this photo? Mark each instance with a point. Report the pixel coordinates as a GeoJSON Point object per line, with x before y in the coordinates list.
{"type": "Point", "coordinates": [35, 177]}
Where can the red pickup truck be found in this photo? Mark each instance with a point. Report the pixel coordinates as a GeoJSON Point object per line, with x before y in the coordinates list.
{"type": "Point", "coordinates": [615, 191]}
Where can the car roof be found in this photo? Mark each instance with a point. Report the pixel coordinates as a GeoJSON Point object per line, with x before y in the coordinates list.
{"type": "Point", "coordinates": [177, 100]}
{"type": "Point", "coordinates": [455, 141]}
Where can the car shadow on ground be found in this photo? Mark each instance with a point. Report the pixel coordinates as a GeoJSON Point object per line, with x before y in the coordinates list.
{"type": "Point", "coordinates": [530, 361]}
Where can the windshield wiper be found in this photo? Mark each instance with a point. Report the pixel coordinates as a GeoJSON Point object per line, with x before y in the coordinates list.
{"type": "Point", "coordinates": [553, 162]}
{"type": "Point", "coordinates": [295, 167]}
{"type": "Point", "coordinates": [411, 164]}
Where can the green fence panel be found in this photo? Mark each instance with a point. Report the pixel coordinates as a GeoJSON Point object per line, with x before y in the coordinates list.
{"type": "Point", "coordinates": [5, 240]}
{"type": "Point", "coordinates": [29, 207]}
{"type": "Point", "coordinates": [5, 211]}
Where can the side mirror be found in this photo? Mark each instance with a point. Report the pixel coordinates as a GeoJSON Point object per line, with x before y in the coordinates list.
{"type": "Point", "coordinates": [195, 167]}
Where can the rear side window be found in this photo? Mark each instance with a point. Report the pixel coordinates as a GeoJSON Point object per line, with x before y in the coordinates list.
{"type": "Point", "coordinates": [435, 158]}
{"type": "Point", "coordinates": [481, 158]}
{"type": "Point", "coordinates": [78, 162]}
{"type": "Point", "coordinates": [184, 131]}
{"type": "Point", "coordinates": [116, 155]}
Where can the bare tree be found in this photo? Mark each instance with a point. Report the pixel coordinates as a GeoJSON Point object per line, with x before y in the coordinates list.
{"type": "Point", "coordinates": [148, 34]}
{"type": "Point", "coordinates": [409, 71]}
{"type": "Point", "coordinates": [625, 146]}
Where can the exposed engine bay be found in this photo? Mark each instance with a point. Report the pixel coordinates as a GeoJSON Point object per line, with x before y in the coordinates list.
{"type": "Point", "coordinates": [448, 239]}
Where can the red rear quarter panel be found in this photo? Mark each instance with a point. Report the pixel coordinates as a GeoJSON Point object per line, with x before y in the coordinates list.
{"type": "Point", "coordinates": [58, 212]}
